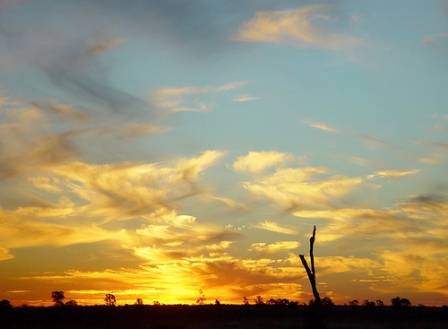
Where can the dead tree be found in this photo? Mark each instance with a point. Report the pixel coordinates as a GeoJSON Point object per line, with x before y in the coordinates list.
{"type": "Point", "coordinates": [311, 271]}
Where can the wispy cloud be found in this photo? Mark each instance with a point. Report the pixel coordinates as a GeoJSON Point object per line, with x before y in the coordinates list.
{"type": "Point", "coordinates": [105, 45]}
{"type": "Point", "coordinates": [274, 247]}
{"type": "Point", "coordinates": [305, 187]}
{"type": "Point", "coordinates": [432, 158]}
{"type": "Point", "coordinates": [245, 98]}
{"type": "Point", "coordinates": [374, 141]}
{"type": "Point", "coordinates": [275, 227]}
{"type": "Point", "coordinates": [187, 99]}
{"type": "Point", "coordinates": [256, 162]}
{"type": "Point", "coordinates": [321, 126]}
{"type": "Point", "coordinates": [435, 39]}
{"type": "Point", "coordinates": [5, 254]}
{"type": "Point", "coordinates": [392, 173]}
{"type": "Point", "coordinates": [300, 27]}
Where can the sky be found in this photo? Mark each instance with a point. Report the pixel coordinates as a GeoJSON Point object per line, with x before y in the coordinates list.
{"type": "Point", "coordinates": [167, 149]}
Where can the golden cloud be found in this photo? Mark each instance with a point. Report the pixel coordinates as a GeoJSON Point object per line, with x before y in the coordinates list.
{"type": "Point", "coordinates": [321, 126]}
{"type": "Point", "coordinates": [291, 187]}
{"type": "Point", "coordinates": [275, 227]}
{"type": "Point", "coordinates": [393, 173]}
{"type": "Point", "coordinates": [178, 99]}
{"type": "Point", "coordinates": [274, 247]}
{"type": "Point", "coordinates": [297, 27]}
{"type": "Point", "coordinates": [256, 162]}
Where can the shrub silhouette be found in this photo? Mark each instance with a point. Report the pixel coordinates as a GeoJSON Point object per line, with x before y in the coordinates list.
{"type": "Point", "coordinates": [5, 304]}
{"type": "Point", "coordinates": [217, 302]}
{"type": "Point", "coordinates": [379, 303]}
{"type": "Point", "coordinates": [110, 300]}
{"type": "Point", "coordinates": [201, 299]}
{"type": "Point", "coordinates": [325, 302]}
{"type": "Point", "coordinates": [139, 302]}
{"type": "Point", "coordinates": [58, 297]}
{"type": "Point", "coordinates": [245, 301]}
{"type": "Point", "coordinates": [281, 302]}
{"type": "Point", "coordinates": [398, 302]}
{"type": "Point", "coordinates": [368, 304]}
{"type": "Point", "coordinates": [259, 300]}
{"type": "Point", "coordinates": [71, 303]}
{"type": "Point", "coordinates": [353, 303]}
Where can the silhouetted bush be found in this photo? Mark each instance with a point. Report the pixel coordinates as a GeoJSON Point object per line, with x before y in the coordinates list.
{"type": "Point", "coordinates": [379, 303]}
{"type": "Point", "coordinates": [259, 301]}
{"type": "Point", "coordinates": [110, 300]}
{"type": "Point", "coordinates": [368, 304]}
{"type": "Point", "coordinates": [325, 302]}
{"type": "Point", "coordinates": [139, 302]}
{"type": "Point", "coordinates": [5, 305]}
{"type": "Point", "coordinates": [353, 303]}
{"type": "Point", "coordinates": [281, 302]}
{"type": "Point", "coordinates": [71, 303]}
{"type": "Point", "coordinates": [246, 300]}
{"type": "Point", "coordinates": [201, 299]}
{"type": "Point", "coordinates": [398, 302]}
{"type": "Point", "coordinates": [58, 297]}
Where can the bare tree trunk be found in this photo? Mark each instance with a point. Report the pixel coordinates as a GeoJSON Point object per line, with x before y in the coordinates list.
{"type": "Point", "coordinates": [311, 272]}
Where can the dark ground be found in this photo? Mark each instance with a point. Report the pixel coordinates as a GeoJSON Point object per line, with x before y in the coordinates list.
{"type": "Point", "coordinates": [222, 317]}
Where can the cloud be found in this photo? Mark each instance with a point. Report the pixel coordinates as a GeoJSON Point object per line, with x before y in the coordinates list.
{"type": "Point", "coordinates": [35, 135]}
{"type": "Point", "coordinates": [256, 162]}
{"type": "Point", "coordinates": [321, 126]}
{"type": "Point", "coordinates": [62, 111]}
{"type": "Point", "coordinates": [245, 98]}
{"type": "Point", "coordinates": [138, 129]}
{"type": "Point", "coordinates": [23, 228]}
{"type": "Point", "coordinates": [5, 254]}
{"type": "Point", "coordinates": [393, 174]}
{"type": "Point", "coordinates": [307, 187]}
{"type": "Point", "coordinates": [105, 45]}
{"type": "Point", "coordinates": [274, 247]}
{"type": "Point", "coordinates": [274, 227]}
{"type": "Point", "coordinates": [186, 99]}
{"type": "Point", "coordinates": [10, 3]}
{"type": "Point", "coordinates": [360, 161]}
{"type": "Point", "coordinates": [435, 39]}
{"type": "Point", "coordinates": [303, 27]}
{"type": "Point", "coordinates": [228, 202]}
{"type": "Point", "coordinates": [374, 141]}
{"type": "Point", "coordinates": [431, 159]}
{"type": "Point", "coordinates": [27, 146]}
{"type": "Point", "coordinates": [128, 189]}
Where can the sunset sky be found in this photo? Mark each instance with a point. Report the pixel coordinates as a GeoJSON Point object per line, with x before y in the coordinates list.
{"type": "Point", "coordinates": [156, 149]}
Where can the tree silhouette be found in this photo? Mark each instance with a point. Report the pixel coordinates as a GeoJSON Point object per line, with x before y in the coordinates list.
{"type": "Point", "coordinates": [201, 299]}
{"type": "Point", "coordinates": [398, 302]}
{"type": "Point", "coordinates": [110, 300]}
{"type": "Point", "coordinates": [353, 303]}
{"type": "Point", "coordinates": [259, 300]}
{"type": "Point", "coordinates": [379, 303]}
{"type": "Point", "coordinates": [246, 300]}
{"type": "Point", "coordinates": [5, 304]}
{"type": "Point", "coordinates": [311, 272]}
{"type": "Point", "coordinates": [58, 298]}
{"type": "Point", "coordinates": [139, 302]}
{"type": "Point", "coordinates": [368, 304]}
